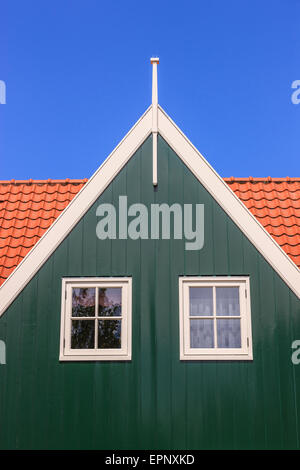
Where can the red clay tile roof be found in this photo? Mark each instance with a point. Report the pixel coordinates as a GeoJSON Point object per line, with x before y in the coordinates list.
{"type": "Point", "coordinates": [28, 208]}
{"type": "Point", "coordinates": [275, 202]}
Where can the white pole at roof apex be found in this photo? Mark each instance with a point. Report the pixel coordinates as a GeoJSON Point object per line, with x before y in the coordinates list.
{"type": "Point", "coordinates": [154, 61]}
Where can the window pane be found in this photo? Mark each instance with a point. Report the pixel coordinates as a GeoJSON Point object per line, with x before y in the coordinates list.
{"type": "Point", "coordinates": [228, 302]}
{"type": "Point", "coordinates": [109, 334]}
{"type": "Point", "coordinates": [110, 302]}
{"type": "Point", "coordinates": [83, 302]}
{"type": "Point", "coordinates": [83, 334]}
{"type": "Point", "coordinates": [229, 333]}
{"type": "Point", "coordinates": [201, 301]}
{"type": "Point", "coordinates": [202, 333]}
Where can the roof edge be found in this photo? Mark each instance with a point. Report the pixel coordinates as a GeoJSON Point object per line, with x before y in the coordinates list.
{"type": "Point", "coordinates": [48, 181]}
{"type": "Point", "coordinates": [228, 179]}
{"type": "Point", "coordinates": [267, 179]}
{"type": "Point", "coordinates": [73, 212]}
{"type": "Point", "coordinates": [229, 201]}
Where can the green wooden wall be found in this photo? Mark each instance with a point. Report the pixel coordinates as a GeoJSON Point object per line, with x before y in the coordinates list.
{"type": "Point", "coordinates": [155, 401]}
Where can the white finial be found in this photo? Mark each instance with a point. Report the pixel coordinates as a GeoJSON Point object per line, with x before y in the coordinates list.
{"type": "Point", "coordinates": [154, 61]}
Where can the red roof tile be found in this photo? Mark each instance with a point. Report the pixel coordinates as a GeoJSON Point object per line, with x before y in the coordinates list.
{"type": "Point", "coordinates": [275, 202]}
{"type": "Point", "coordinates": [28, 208]}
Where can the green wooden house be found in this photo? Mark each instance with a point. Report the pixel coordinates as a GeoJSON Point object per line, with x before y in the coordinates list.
{"type": "Point", "coordinates": [156, 312]}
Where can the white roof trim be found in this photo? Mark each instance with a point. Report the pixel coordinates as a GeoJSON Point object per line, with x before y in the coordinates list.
{"type": "Point", "coordinates": [228, 200]}
{"type": "Point", "coordinates": [217, 187]}
{"type": "Point", "coordinates": [74, 211]}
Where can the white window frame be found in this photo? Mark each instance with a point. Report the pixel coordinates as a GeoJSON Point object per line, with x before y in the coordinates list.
{"type": "Point", "coordinates": [188, 353]}
{"type": "Point", "coordinates": [121, 354]}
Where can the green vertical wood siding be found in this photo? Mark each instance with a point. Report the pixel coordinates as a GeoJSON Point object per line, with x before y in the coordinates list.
{"type": "Point", "coordinates": [155, 401]}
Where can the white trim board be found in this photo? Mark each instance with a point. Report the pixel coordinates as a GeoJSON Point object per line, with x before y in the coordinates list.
{"type": "Point", "coordinates": [74, 211]}
{"type": "Point", "coordinates": [230, 202]}
{"type": "Point", "coordinates": [95, 186]}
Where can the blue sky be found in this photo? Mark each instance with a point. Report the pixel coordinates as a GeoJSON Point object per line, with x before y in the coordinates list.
{"type": "Point", "coordinates": [78, 76]}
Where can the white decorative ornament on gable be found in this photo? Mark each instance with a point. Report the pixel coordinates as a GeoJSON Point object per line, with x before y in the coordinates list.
{"type": "Point", "coordinates": [154, 62]}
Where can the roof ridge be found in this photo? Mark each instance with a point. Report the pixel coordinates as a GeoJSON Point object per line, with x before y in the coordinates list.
{"type": "Point", "coordinates": [265, 179]}
{"type": "Point", "coordinates": [229, 179]}
{"type": "Point", "coordinates": [48, 181]}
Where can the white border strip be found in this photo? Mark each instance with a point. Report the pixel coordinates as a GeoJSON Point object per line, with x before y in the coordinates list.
{"type": "Point", "coordinates": [228, 200]}
{"type": "Point", "coordinates": [74, 211]}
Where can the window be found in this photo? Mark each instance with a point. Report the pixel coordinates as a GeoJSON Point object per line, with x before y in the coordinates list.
{"type": "Point", "coordinates": [96, 319]}
{"type": "Point", "coordinates": [215, 318]}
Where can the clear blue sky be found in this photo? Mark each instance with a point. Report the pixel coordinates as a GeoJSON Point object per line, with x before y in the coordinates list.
{"type": "Point", "coordinates": [78, 77]}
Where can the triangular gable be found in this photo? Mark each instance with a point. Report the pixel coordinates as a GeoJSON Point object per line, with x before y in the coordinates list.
{"type": "Point", "coordinates": [216, 186]}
